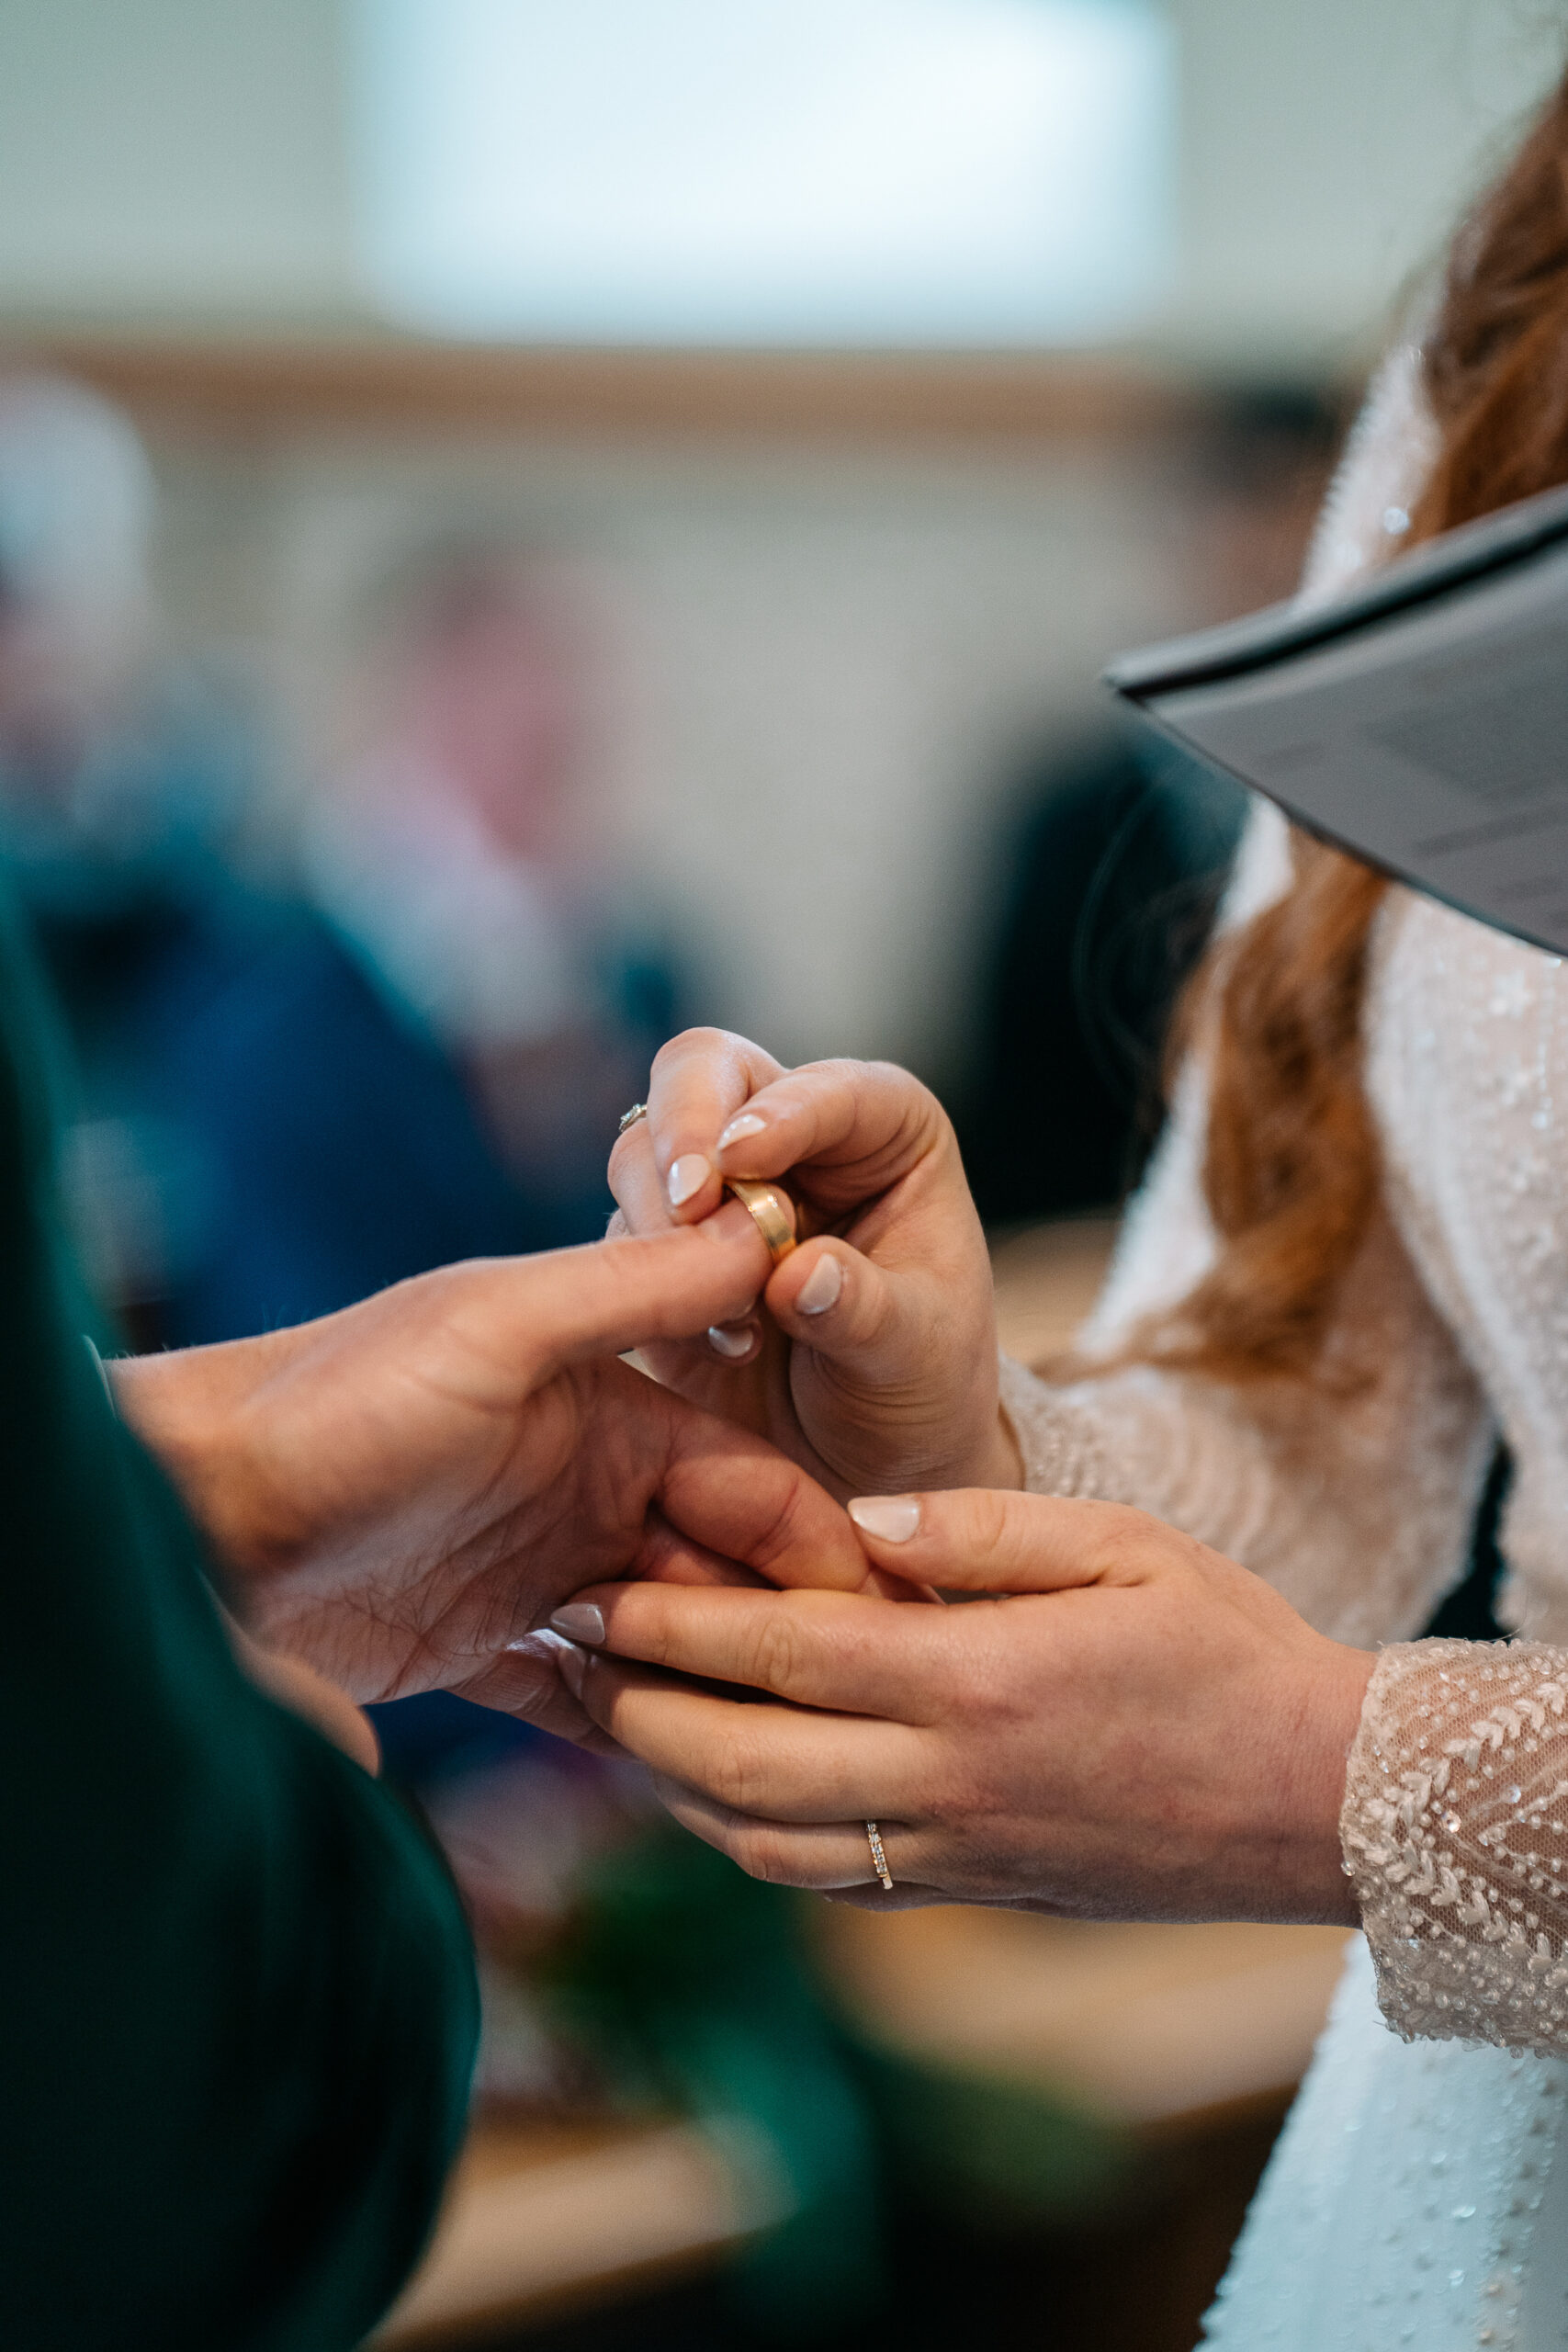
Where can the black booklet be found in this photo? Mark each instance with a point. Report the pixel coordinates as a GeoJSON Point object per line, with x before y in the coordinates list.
{"type": "Point", "coordinates": [1420, 722]}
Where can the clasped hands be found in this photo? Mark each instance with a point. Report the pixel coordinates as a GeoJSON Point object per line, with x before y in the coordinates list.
{"type": "Point", "coordinates": [1122, 1722]}
{"type": "Point", "coordinates": [404, 1496]}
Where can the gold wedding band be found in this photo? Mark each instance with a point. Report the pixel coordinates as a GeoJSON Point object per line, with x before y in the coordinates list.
{"type": "Point", "coordinates": [770, 1210]}
{"type": "Point", "coordinates": [878, 1857]}
{"type": "Point", "coordinates": [629, 1118]}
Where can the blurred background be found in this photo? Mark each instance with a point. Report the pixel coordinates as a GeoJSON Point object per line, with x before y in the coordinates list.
{"type": "Point", "coordinates": [524, 524]}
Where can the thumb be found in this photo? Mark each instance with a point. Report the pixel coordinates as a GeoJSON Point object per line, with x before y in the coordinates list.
{"type": "Point", "coordinates": [986, 1539]}
{"type": "Point", "coordinates": [607, 1296]}
{"type": "Point", "coordinates": [727, 1494]}
{"type": "Point", "coordinates": [733, 1509]}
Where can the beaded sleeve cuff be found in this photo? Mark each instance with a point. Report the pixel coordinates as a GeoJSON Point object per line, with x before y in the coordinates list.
{"type": "Point", "coordinates": [1455, 1834]}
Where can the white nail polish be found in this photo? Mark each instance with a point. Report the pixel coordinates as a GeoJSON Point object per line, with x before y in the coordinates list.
{"type": "Point", "coordinates": [820, 1289]}
{"type": "Point", "coordinates": [748, 1123]}
{"type": "Point", "coordinates": [580, 1622]}
{"type": "Point", "coordinates": [893, 1518]}
{"type": "Point", "coordinates": [687, 1176]}
{"type": "Point", "coordinates": [731, 1340]}
{"type": "Point", "coordinates": [573, 1664]}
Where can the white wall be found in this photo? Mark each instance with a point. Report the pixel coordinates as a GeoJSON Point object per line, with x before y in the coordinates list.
{"type": "Point", "coordinates": [176, 159]}
{"type": "Point", "coordinates": [1326, 147]}
{"type": "Point", "coordinates": [823, 671]}
{"type": "Point", "coordinates": [830, 660]}
{"type": "Point", "coordinates": [187, 159]}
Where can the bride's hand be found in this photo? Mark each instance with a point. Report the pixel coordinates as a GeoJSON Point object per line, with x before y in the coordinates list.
{"type": "Point", "coordinates": [1139, 1730]}
{"type": "Point", "coordinates": [877, 1364]}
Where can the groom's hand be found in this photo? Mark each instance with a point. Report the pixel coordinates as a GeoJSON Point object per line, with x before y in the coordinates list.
{"type": "Point", "coordinates": [401, 1493]}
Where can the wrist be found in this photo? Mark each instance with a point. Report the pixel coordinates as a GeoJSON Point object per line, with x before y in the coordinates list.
{"type": "Point", "coordinates": [188, 1409]}
{"type": "Point", "coordinates": [1318, 1744]}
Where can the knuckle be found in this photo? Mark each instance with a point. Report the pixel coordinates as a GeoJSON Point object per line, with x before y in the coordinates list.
{"type": "Point", "coordinates": [991, 1518]}
{"type": "Point", "coordinates": [691, 1044]}
{"type": "Point", "coordinates": [920, 1114]}
{"type": "Point", "coordinates": [761, 1855]}
{"type": "Point", "coordinates": [644, 1631]}
{"type": "Point", "coordinates": [621, 1160]}
{"type": "Point", "coordinates": [961, 1801]}
{"type": "Point", "coordinates": [777, 1658]}
{"type": "Point", "coordinates": [982, 1695]}
{"type": "Point", "coordinates": [737, 1777]}
{"type": "Point", "coordinates": [873, 1310]}
{"type": "Point", "coordinates": [895, 1074]}
{"type": "Point", "coordinates": [942, 1792]}
{"type": "Point", "coordinates": [1123, 1537]}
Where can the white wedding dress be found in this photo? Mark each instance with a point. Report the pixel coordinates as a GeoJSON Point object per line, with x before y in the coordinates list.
{"type": "Point", "coordinates": [1419, 2193]}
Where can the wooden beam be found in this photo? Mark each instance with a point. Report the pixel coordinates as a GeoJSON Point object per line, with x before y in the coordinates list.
{"type": "Point", "coordinates": [283, 389]}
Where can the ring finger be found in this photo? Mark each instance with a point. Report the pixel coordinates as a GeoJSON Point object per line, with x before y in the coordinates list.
{"type": "Point", "coordinates": [635, 1183]}
{"type": "Point", "coordinates": [698, 1080]}
{"type": "Point", "coordinates": [821, 1857]}
{"type": "Point", "coordinates": [641, 1207]}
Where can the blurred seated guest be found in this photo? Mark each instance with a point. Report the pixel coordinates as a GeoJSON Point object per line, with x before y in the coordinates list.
{"type": "Point", "coordinates": [240, 2011]}
{"type": "Point", "coordinates": [1114, 853]}
{"type": "Point", "coordinates": [456, 852]}
{"type": "Point", "coordinates": [120, 774]}
{"type": "Point", "coordinates": [419, 1061]}
{"type": "Point", "coordinates": [268, 1125]}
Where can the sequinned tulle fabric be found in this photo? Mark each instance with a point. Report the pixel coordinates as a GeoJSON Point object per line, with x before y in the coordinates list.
{"type": "Point", "coordinates": [1455, 1829]}
{"type": "Point", "coordinates": [1416, 2196]}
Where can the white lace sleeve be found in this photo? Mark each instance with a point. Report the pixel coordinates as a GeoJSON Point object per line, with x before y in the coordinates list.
{"type": "Point", "coordinates": [1358, 1508]}
{"type": "Point", "coordinates": [1455, 1832]}
{"type": "Point", "coordinates": [1356, 1505]}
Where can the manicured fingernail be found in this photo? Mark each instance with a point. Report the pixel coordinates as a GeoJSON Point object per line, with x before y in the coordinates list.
{"type": "Point", "coordinates": [820, 1289]}
{"type": "Point", "coordinates": [687, 1176]}
{"type": "Point", "coordinates": [893, 1518]}
{"type": "Point", "coordinates": [748, 1123]}
{"type": "Point", "coordinates": [573, 1664]}
{"type": "Point", "coordinates": [731, 1340]}
{"type": "Point", "coordinates": [579, 1621]}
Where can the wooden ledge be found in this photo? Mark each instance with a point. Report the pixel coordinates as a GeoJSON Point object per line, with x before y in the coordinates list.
{"type": "Point", "coordinates": [542, 2219]}
{"type": "Point", "coordinates": [277, 388]}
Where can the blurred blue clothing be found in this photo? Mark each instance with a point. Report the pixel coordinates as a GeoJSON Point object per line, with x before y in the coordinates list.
{"type": "Point", "coordinates": [340, 1148]}
{"type": "Point", "coordinates": [263, 1132]}
{"type": "Point", "coordinates": [306, 1142]}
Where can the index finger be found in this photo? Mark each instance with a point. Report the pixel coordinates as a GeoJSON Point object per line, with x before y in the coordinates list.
{"type": "Point", "coordinates": [737, 1498]}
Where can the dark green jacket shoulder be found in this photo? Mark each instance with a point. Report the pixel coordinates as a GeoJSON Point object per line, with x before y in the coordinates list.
{"type": "Point", "coordinates": [238, 2012]}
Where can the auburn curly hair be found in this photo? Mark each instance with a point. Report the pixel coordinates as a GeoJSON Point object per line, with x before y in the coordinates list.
{"type": "Point", "coordinates": [1292, 1175]}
